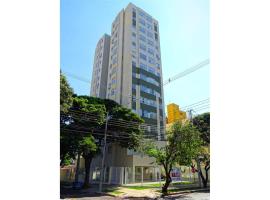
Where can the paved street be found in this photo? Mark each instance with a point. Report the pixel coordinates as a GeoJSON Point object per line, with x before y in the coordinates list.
{"type": "Point", "coordinates": [187, 196]}
{"type": "Point", "coordinates": [190, 196]}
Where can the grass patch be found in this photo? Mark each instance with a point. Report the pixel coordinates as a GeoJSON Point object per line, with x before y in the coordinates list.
{"type": "Point", "coordinates": [182, 183]}
{"type": "Point", "coordinates": [113, 191]}
{"type": "Point", "coordinates": [138, 187]}
{"type": "Point", "coordinates": [155, 185]}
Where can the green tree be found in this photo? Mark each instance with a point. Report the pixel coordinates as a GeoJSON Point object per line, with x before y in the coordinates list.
{"type": "Point", "coordinates": [77, 128]}
{"type": "Point", "coordinates": [202, 123]}
{"type": "Point", "coordinates": [82, 128]}
{"type": "Point", "coordinates": [66, 93]}
{"type": "Point", "coordinates": [183, 143]}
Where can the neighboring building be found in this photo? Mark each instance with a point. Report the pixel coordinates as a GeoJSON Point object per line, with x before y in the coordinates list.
{"type": "Point", "coordinates": [100, 67]}
{"type": "Point", "coordinates": [135, 81]}
{"type": "Point", "coordinates": [175, 114]}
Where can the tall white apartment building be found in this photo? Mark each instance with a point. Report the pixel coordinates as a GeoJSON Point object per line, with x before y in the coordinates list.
{"type": "Point", "coordinates": [135, 70]}
{"type": "Point", "coordinates": [134, 80]}
{"type": "Point", "coordinates": [100, 67]}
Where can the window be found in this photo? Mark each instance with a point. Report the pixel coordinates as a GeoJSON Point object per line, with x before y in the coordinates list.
{"type": "Point", "coordinates": [142, 56]}
{"type": "Point", "coordinates": [112, 92]}
{"type": "Point", "coordinates": [134, 34]}
{"type": "Point", "coordinates": [156, 36]}
{"type": "Point", "coordinates": [113, 81]}
{"type": "Point", "coordinates": [151, 51]}
{"type": "Point", "coordinates": [133, 22]}
{"type": "Point", "coordinates": [134, 52]}
{"type": "Point", "coordinates": [143, 66]}
{"type": "Point", "coordinates": [150, 42]}
{"type": "Point", "coordinates": [155, 27]}
{"type": "Point", "coordinates": [142, 38]}
{"type": "Point", "coordinates": [148, 114]}
{"type": "Point", "coordinates": [113, 70]}
{"type": "Point", "coordinates": [134, 44]}
{"type": "Point", "coordinates": [142, 29]}
{"type": "Point", "coordinates": [149, 26]}
{"type": "Point", "coordinates": [142, 46]}
{"type": "Point", "coordinates": [149, 19]}
{"type": "Point", "coordinates": [149, 34]}
{"type": "Point", "coordinates": [142, 21]}
{"type": "Point", "coordinates": [134, 13]}
{"type": "Point", "coordinates": [149, 90]}
{"type": "Point", "coordinates": [151, 69]}
{"type": "Point", "coordinates": [157, 56]}
{"type": "Point", "coordinates": [114, 60]}
{"type": "Point", "coordinates": [141, 14]}
{"type": "Point", "coordinates": [151, 60]}
{"type": "Point", "coordinates": [133, 64]}
{"type": "Point", "coordinates": [149, 79]}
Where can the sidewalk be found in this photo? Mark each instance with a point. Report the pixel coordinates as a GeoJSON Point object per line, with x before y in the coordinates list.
{"type": "Point", "coordinates": [69, 192]}
{"type": "Point", "coordinates": [123, 192]}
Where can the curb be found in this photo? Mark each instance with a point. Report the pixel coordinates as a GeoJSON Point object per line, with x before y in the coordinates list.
{"type": "Point", "coordinates": [187, 191]}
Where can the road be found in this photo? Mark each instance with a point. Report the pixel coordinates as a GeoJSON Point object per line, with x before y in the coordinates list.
{"type": "Point", "coordinates": [187, 196]}
{"type": "Point", "coordinates": [190, 196]}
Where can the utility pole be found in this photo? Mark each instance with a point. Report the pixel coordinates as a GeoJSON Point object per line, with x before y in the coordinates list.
{"type": "Point", "coordinates": [77, 170]}
{"type": "Point", "coordinates": [197, 159]}
{"type": "Point", "coordinates": [103, 155]}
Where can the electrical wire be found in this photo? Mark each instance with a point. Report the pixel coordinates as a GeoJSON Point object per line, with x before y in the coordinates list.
{"type": "Point", "coordinates": [187, 71]}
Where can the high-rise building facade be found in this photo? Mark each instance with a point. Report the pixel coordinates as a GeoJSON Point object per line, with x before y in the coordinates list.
{"type": "Point", "coordinates": [134, 80]}
{"type": "Point", "coordinates": [135, 69]}
{"type": "Point", "coordinates": [175, 114]}
{"type": "Point", "coordinates": [100, 67]}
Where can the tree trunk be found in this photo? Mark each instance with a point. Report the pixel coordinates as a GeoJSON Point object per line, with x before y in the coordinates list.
{"type": "Point", "coordinates": [77, 168]}
{"type": "Point", "coordinates": [206, 174]}
{"type": "Point", "coordinates": [167, 183]}
{"type": "Point", "coordinates": [87, 164]}
{"type": "Point", "coordinates": [203, 179]}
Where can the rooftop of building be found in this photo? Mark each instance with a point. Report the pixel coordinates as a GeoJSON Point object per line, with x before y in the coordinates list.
{"type": "Point", "coordinates": [133, 5]}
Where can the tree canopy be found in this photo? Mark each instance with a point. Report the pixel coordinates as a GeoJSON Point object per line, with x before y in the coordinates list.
{"type": "Point", "coordinates": [66, 93]}
{"type": "Point", "coordinates": [183, 144]}
{"type": "Point", "coordinates": [202, 123]}
{"type": "Point", "coordinates": [82, 123]}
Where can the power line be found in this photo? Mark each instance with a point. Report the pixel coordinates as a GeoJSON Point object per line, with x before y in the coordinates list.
{"type": "Point", "coordinates": [196, 107]}
{"type": "Point", "coordinates": [197, 103]}
{"type": "Point", "coordinates": [202, 108]}
{"type": "Point", "coordinates": [76, 77]}
{"type": "Point", "coordinates": [138, 99]}
{"type": "Point", "coordinates": [113, 119]}
{"type": "Point", "coordinates": [187, 71]}
{"type": "Point", "coordinates": [147, 128]}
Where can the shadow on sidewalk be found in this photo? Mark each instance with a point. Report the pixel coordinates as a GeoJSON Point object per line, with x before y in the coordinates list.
{"type": "Point", "coordinates": [69, 192]}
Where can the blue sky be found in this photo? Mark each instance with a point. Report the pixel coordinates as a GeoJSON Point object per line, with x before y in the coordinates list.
{"type": "Point", "coordinates": [184, 41]}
